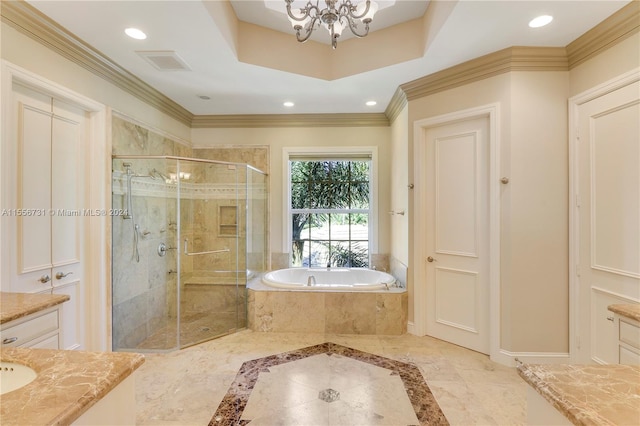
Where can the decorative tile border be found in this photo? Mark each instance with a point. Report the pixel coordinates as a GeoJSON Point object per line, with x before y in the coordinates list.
{"type": "Point", "coordinates": [234, 402]}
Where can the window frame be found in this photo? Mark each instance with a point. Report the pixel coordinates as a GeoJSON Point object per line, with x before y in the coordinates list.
{"type": "Point", "coordinates": [328, 153]}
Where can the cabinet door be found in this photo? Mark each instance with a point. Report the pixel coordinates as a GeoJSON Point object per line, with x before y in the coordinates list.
{"type": "Point", "coordinates": [32, 196]}
{"type": "Point", "coordinates": [48, 241]}
{"type": "Point", "coordinates": [67, 224]}
{"type": "Point", "coordinates": [608, 179]}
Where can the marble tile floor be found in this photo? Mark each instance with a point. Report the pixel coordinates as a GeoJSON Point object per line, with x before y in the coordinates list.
{"type": "Point", "coordinates": [186, 387]}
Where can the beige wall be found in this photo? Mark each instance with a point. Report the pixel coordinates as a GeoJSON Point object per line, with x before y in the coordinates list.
{"type": "Point", "coordinates": [622, 57]}
{"type": "Point", "coordinates": [399, 227]}
{"type": "Point", "coordinates": [536, 278]}
{"type": "Point", "coordinates": [534, 205]}
{"type": "Point", "coordinates": [399, 186]}
{"type": "Point", "coordinates": [493, 90]}
{"type": "Point", "coordinates": [32, 56]}
{"type": "Point", "coordinates": [291, 137]}
{"type": "Point", "coordinates": [534, 229]}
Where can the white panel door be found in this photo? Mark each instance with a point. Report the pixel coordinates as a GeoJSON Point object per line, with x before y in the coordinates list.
{"type": "Point", "coordinates": [457, 240]}
{"type": "Point", "coordinates": [31, 227]}
{"type": "Point", "coordinates": [608, 189]}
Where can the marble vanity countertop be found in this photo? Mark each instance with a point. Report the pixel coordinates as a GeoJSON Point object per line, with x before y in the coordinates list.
{"type": "Point", "coordinates": [628, 310]}
{"type": "Point", "coordinates": [68, 384]}
{"type": "Point", "coordinates": [18, 305]}
{"type": "Point", "coordinates": [588, 394]}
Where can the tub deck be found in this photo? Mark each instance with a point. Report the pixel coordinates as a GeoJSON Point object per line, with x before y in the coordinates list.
{"type": "Point", "coordinates": [305, 310]}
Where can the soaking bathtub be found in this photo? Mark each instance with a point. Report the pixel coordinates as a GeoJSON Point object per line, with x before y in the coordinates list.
{"type": "Point", "coordinates": [327, 300]}
{"type": "Point", "coordinates": [329, 279]}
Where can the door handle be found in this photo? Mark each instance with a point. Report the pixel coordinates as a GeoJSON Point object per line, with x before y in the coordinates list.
{"type": "Point", "coordinates": [61, 275]}
{"type": "Point", "coordinates": [45, 279]}
{"type": "Point", "coordinates": [430, 259]}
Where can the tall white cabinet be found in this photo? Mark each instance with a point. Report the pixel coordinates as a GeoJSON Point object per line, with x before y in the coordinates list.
{"type": "Point", "coordinates": [43, 212]}
{"type": "Point", "coordinates": [605, 230]}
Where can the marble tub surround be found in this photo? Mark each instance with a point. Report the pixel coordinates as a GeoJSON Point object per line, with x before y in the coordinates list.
{"type": "Point", "coordinates": [631, 311]}
{"type": "Point", "coordinates": [589, 394]}
{"type": "Point", "coordinates": [68, 384]}
{"type": "Point", "coordinates": [328, 384]}
{"type": "Point", "coordinates": [18, 305]}
{"type": "Point", "coordinates": [326, 312]}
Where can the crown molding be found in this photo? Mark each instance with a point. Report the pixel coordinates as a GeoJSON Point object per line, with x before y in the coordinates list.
{"type": "Point", "coordinates": [622, 24]}
{"type": "Point", "coordinates": [500, 62]}
{"type": "Point", "coordinates": [33, 23]}
{"type": "Point", "coordinates": [290, 120]}
{"type": "Point", "coordinates": [616, 28]}
{"type": "Point", "coordinates": [397, 102]}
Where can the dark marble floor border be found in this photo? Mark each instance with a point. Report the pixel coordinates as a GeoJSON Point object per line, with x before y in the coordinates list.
{"type": "Point", "coordinates": [234, 402]}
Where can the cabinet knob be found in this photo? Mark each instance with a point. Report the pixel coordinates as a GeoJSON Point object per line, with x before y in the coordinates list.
{"type": "Point", "coordinates": [45, 279]}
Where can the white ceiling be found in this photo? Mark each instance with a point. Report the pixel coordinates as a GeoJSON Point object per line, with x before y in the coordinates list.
{"type": "Point", "coordinates": [474, 28]}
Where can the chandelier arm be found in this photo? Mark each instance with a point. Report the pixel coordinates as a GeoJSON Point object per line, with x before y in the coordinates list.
{"type": "Point", "coordinates": [305, 10]}
{"type": "Point", "coordinates": [366, 10]}
{"type": "Point", "coordinates": [346, 8]}
{"type": "Point", "coordinates": [308, 29]}
{"type": "Point", "coordinates": [353, 28]}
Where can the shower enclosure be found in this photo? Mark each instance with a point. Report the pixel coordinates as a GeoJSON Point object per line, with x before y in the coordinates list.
{"type": "Point", "coordinates": [187, 235]}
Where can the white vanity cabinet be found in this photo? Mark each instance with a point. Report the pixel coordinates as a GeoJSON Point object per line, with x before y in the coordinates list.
{"type": "Point", "coordinates": [37, 330]}
{"type": "Point", "coordinates": [626, 320]}
{"type": "Point", "coordinates": [628, 341]}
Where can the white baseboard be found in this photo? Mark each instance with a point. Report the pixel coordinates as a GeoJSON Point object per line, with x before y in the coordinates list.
{"type": "Point", "coordinates": [411, 328]}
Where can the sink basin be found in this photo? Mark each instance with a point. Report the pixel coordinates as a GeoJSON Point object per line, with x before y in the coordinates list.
{"type": "Point", "coordinates": [14, 376]}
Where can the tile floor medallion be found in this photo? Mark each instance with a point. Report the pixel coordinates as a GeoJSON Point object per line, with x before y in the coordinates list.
{"type": "Point", "coordinates": [328, 384]}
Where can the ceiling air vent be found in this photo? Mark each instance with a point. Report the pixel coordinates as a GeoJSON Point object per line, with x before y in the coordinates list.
{"type": "Point", "coordinates": [164, 60]}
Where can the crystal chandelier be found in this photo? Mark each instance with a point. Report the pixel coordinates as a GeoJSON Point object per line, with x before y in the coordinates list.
{"type": "Point", "coordinates": [335, 17]}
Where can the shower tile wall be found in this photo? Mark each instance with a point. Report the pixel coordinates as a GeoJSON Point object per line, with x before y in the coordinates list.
{"type": "Point", "coordinates": [143, 292]}
{"type": "Point", "coordinates": [255, 156]}
{"type": "Point", "coordinates": [218, 221]}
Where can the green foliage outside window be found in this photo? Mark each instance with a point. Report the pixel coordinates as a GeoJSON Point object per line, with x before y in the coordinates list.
{"type": "Point", "coordinates": [330, 213]}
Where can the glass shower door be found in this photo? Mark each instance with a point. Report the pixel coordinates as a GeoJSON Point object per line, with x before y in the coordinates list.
{"type": "Point", "coordinates": [209, 258]}
{"type": "Point", "coordinates": [144, 279]}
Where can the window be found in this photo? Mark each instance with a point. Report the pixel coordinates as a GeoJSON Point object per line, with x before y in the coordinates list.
{"type": "Point", "coordinates": [330, 210]}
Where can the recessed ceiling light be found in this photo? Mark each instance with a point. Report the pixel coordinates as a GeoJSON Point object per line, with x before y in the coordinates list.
{"type": "Point", "coordinates": [288, 104]}
{"type": "Point", "coordinates": [204, 97]}
{"type": "Point", "coordinates": [135, 33]}
{"type": "Point", "coordinates": [540, 21]}
{"type": "Point", "coordinates": [371, 103]}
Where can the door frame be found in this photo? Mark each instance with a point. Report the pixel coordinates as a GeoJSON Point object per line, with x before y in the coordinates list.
{"type": "Point", "coordinates": [574, 104]}
{"type": "Point", "coordinates": [96, 196]}
{"type": "Point", "coordinates": [492, 113]}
